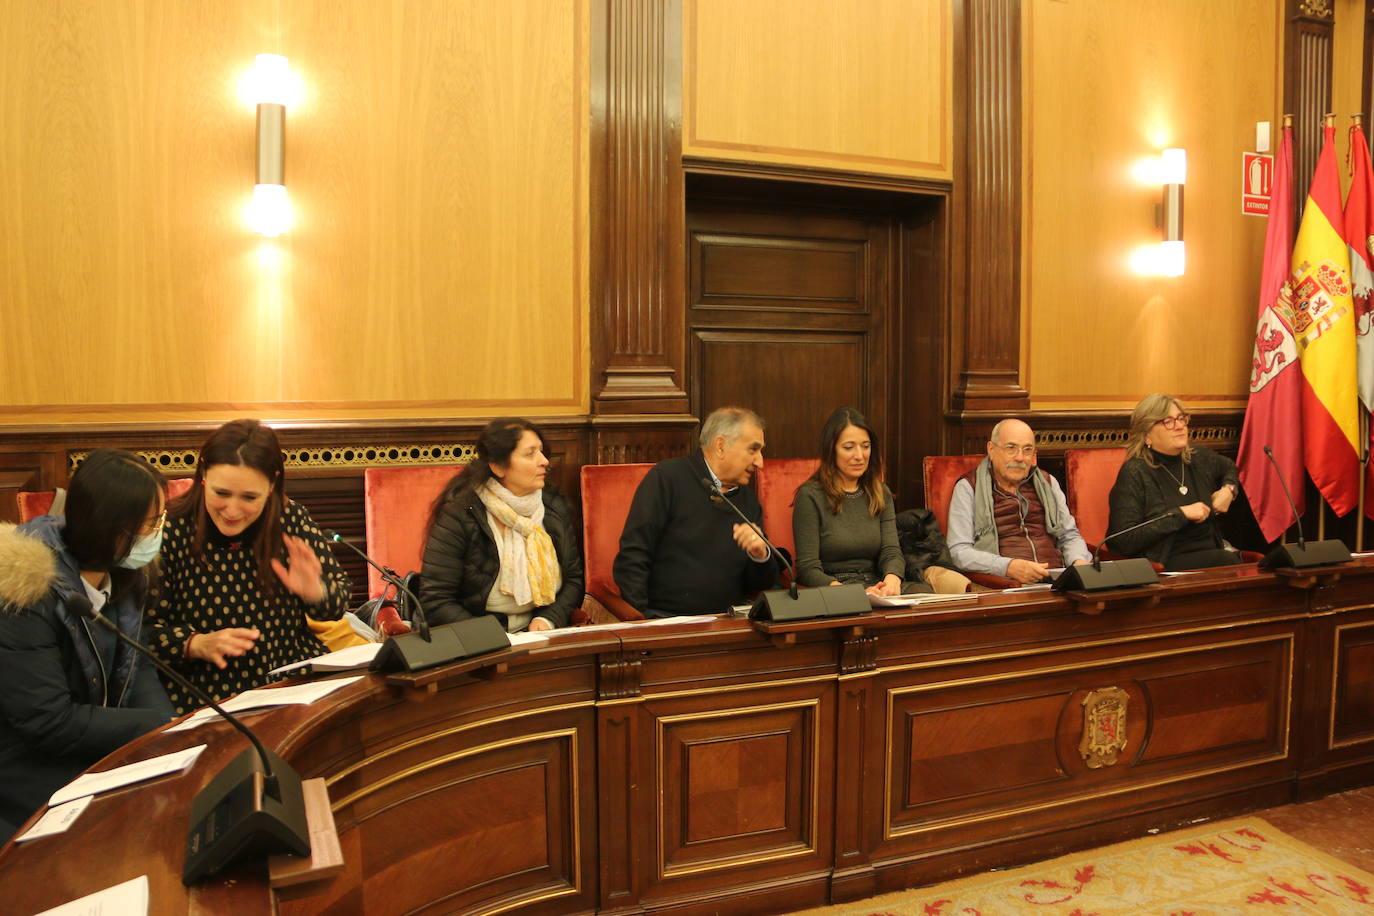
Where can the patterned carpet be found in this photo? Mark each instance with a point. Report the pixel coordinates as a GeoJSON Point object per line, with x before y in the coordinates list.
{"type": "Point", "coordinates": [1243, 866]}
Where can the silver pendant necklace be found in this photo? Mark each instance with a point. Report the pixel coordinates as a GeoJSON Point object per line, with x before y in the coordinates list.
{"type": "Point", "coordinates": [1181, 479]}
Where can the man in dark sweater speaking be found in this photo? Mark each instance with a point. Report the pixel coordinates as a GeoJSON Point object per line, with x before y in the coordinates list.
{"type": "Point", "coordinates": [683, 550]}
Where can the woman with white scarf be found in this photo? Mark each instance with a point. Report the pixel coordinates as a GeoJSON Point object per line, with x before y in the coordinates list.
{"type": "Point", "coordinates": [500, 542]}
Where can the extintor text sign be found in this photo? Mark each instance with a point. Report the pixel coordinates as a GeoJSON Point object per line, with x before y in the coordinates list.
{"type": "Point", "coordinates": [1256, 181]}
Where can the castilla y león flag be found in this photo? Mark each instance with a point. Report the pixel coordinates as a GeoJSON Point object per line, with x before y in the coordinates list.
{"type": "Point", "coordinates": [1359, 234]}
{"type": "Point", "coordinates": [1274, 415]}
{"type": "Point", "coordinates": [1324, 326]}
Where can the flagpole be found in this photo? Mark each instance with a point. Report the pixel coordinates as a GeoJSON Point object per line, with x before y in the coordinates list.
{"type": "Point", "coordinates": [1364, 466]}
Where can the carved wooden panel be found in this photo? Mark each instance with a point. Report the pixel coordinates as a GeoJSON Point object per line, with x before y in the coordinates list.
{"type": "Point", "coordinates": [987, 296]}
{"type": "Point", "coordinates": [1307, 83]}
{"type": "Point", "coordinates": [793, 379]}
{"type": "Point", "coordinates": [985, 741]}
{"type": "Point", "coordinates": [1352, 685]}
{"type": "Point", "coordinates": [750, 787]}
{"type": "Point", "coordinates": [734, 271]}
{"type": "Point", "coordinates": [637, 207]}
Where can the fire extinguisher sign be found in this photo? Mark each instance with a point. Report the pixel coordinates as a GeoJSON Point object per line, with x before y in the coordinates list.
{"type": "Point", "coordinates": [1256, 180]}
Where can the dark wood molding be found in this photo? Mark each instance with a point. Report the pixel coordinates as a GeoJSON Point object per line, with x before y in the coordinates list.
{"type": "Point", "coordinates": [694, 165]}
{"type": "Point", "coordinates": [1307, 50]}
{"type": "Point", "coordinates": [985, 302]}
{"type": "Point", "coordinates": [1367, 67]}
{"type": "Point", "coordinates": [637, 209]}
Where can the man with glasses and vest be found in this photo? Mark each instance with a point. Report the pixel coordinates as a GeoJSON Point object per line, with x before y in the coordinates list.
{"type": "Point", "coordinates": [1008, 518]}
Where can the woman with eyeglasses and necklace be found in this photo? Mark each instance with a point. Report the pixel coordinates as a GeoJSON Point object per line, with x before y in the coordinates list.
{"type": "Point", "coordinates": [72, 691]}
{"type": "Point", "coordinates": [243, 570]}
{"type": "Point", "coordinates": [1172, 490]}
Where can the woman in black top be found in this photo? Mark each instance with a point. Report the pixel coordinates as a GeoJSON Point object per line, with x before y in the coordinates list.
{"type": "Point", "coordinates": [1173, 490]}
{"type": "Point", "coordinates": [242, 567]}
{"type": "Point", "coordinates": [500, 542]}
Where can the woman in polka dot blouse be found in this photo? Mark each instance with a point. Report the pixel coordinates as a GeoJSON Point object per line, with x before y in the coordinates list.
{"type": "Point", "coordinates": [241, 567]}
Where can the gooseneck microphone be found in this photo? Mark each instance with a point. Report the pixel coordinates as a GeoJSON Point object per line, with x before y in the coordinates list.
{"type": "Point", "coordinates": [790, 604]}
{"type": "Point", "coordinates": [716, 492]}
{"type": "Point", "coordinates": [1303, 554]}
{"type": "Point", "coordinates": [1097, 554]}
{"type": "Point", "coordinates": [388, 576]}
{"type": "Point", "coordinates": [1283, 485]}
{"type": "Point", "coordinates": [414, 651]}
{"type": "Point", "coordinates": [253, 808]}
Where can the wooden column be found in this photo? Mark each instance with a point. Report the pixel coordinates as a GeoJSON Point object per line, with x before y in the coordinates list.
{"type": "Point", "coordinates": [986, 292]}
{"type": "Point", "coordinates": [638, 329]}
{"type": "Point", "coordinates": [1307, 46]}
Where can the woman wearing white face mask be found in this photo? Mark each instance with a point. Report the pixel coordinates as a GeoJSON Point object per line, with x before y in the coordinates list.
{"type": "Point", "coordinates": [72, 692]}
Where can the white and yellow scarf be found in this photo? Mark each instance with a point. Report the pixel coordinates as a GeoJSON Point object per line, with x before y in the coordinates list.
{"type": "Point", "coordinates": [529, 564]}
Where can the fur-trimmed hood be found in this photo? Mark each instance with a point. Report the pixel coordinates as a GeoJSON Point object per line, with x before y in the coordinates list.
{"type": "Point", "coordinates": [28, 562]}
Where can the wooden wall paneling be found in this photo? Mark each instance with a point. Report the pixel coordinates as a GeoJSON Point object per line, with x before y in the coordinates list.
{"type": "Point", "coordinates": [787, 307]}
{"type": "Point", "coordinates": [437, 164]}
{"type": "Point", "coordinates": [1367, 65]}
{"type": "Point", "coordinates": [860, 87]}
{"type": "Point", "coordinates": [637, 325]}
{"type": "Point", "coordinates": [26, 470]}
{"type": "Point", "coordinates": [1307, 53]}
{"type": "Point", "coordinates": [986, 297]}
{"type": "Point", "coordinates": [918, 348]}
{"type": "Point", "coordinates": [792, 378]}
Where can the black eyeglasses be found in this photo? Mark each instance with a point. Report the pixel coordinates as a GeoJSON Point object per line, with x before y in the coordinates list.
{"type": "Point", "coordinates": [1175, 422]}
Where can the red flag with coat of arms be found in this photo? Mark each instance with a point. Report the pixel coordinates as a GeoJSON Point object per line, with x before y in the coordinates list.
{"type": "Point", "coordinates": [1274, 414]}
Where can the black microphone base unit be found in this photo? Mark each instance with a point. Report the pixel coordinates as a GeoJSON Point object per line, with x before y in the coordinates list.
{"type": "Point", "coordinates": [828, 601]}
{"type": "Point", "coordinates": [1131, 573]}
{"type": "Point", "coordinates": [448, 643]}
{"type": "Point", "coordinates": [1301, 556]}
{"type": "Point", "coordinates": [239, 815]}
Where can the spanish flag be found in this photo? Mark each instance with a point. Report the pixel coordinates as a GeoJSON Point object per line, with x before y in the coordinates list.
{"type": "Point", "coordinates": [1324, 325]}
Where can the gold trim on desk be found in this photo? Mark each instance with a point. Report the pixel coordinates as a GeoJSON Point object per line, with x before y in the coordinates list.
{"type": "Point", "coordinates": [1056, 648]}
{"type": "Point", "coordinates": [744, 859]}
{"type": "Point", "coordinates": [889, 832]}
{"type": "Point", "coordinates": [357, 765]}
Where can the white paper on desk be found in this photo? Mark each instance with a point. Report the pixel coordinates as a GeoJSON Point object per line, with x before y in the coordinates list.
{"type": "Point", "coordinates": [104, 781]}
{"type": "Point", "coordinates": [55, 820]}
{"type": "Point", "coordinates": [265, 697]}
{"type": "Point", "coordinates": [532, 640]}
{"type": "Point", "coordinates": [127, 899]}
{"type": "Point", "coordinates": [656, 622]}
{"type": "Point", "coordinates": [1034, 587]}
{"type": "Point", "coordinates": [915, 599]}
{"type": "Point", "coordinates": [342, 660]}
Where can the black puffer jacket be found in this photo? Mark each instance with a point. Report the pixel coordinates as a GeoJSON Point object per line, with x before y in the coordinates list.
{"type": "Point", "coordinates": [922, 544]}
{"type": "Point", "coordinates": [461, 563]}
{"type": "Point", "coordinates": [66, 699]}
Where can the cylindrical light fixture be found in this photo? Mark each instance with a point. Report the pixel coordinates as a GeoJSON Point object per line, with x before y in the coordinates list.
{"type": "Point", "coordinates": [269, 213]}
{"type": "Point", "coordinates": [1174, 171]}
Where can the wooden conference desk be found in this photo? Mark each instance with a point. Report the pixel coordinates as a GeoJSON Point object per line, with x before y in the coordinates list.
{"type": "Point", "coordinates": [719, 769]}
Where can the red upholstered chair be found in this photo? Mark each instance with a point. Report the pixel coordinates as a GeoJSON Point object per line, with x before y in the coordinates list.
{"type": "Point", "coordinates": [607, 490]}
{"type": "Point", "coordinates": [39, 502]}
{"type": "Point", "coordinates": [1091, 474]}
{"type": "Point", "coordinates": [777, 484]}
{"type": "Point", "coordinates": [396, 507]}
{"type": "Point", "coordinates": [940, 473]}
{"type": "Point", "coordinates": [32, 504]}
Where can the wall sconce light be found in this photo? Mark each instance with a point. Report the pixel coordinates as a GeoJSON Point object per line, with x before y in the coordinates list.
{"type": "Point", "coordinates": [269, 88]}
{"type": "Point", "coordinates": [1173, 167]}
